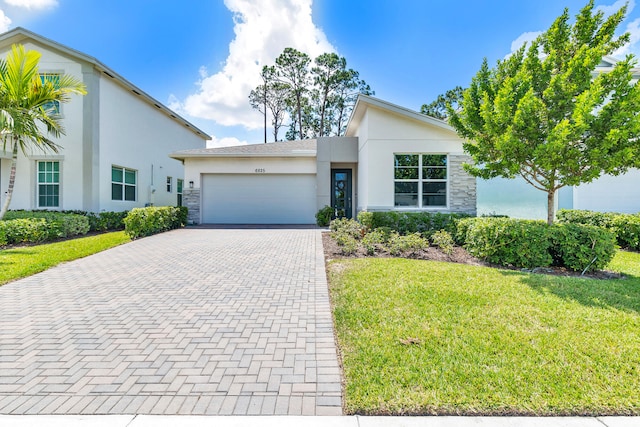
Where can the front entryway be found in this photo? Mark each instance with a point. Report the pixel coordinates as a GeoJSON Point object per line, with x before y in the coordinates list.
{"type": "Point", "coordinates": [341, 190]}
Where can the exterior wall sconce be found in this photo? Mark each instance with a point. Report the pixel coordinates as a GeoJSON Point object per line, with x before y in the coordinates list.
{"type": "Point", "coordinates": [190, 184]}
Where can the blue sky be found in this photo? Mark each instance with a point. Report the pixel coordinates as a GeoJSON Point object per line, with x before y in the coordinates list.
{"type": "Point", "coordinates": [202, 57]}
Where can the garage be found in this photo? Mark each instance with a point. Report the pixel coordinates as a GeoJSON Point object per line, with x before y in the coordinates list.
{"type": "Point", "coordinates": [258, 198]}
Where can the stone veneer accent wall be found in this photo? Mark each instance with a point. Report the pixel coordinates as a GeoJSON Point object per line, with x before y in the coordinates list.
{"type": "Point", "coordinates": [191, 199]}
{"type": "Point", "coordinates": [462, 186]}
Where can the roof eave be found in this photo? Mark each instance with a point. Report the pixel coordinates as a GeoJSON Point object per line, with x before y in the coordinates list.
{"type": "Point", "coordinates": [19, 31]}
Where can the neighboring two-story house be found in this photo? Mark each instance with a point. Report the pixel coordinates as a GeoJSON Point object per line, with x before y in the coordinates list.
{"type": "Point", "coordinates": [114, 155]}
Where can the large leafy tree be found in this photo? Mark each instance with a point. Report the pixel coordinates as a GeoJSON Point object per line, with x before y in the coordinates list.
{"type": "Point", "coordinates": [293, 70]}
{"type": "Point", "coordinates": [27, 108]}
{"type": "Point", "coordinates": [546, 115]}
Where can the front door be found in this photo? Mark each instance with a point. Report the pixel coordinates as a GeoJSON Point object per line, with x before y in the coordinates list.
{"type": "Point", "coordinates": [341, 193]}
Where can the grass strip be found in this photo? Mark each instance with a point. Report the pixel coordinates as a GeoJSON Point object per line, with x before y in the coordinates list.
{"type": "Point", "coordinates": [20, 262]}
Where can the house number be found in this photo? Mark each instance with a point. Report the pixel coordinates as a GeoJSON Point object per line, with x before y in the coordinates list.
{"type": "Point", "coordinates": [261, 170]}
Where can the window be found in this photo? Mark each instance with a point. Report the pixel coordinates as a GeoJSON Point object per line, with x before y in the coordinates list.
{"type": "Point", "coordinates": [123, 184]}
{"type": "Point", "coordinates": [169, 184]}
{"type": "Point", "coordinates": [53, 79]}
{"type": "Point", "coordinates": [48, 184]}
{"type": "Point", "coordinates": [179, 185]}
{"type": "Point", "coordinates": [420, 180]}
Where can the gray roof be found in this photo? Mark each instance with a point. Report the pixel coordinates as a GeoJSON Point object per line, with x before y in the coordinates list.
{"type": "Point", "coordinates": [302, 148]}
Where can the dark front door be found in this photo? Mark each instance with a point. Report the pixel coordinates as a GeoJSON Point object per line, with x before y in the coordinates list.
{"type": "Point", "coordinates": [341, 193]}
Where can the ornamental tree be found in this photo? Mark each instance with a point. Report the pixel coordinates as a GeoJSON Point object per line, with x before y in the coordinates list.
{"type": "Point", "coordinates": [546, 115]}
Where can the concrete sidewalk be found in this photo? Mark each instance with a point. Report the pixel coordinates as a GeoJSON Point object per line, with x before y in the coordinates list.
{"type": "Point", "coordinates": [301, 421]}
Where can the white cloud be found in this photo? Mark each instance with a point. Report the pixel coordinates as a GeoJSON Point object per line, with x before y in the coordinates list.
{"type": "Point", "coordinates": [633, 28]}
{"type": "Point", "coordinates": [611, 9]}
{"type": "Point", "coordinates": [224, 142]}
{"type": "Point", "coordinates": [32, 4]}
{"type": "Point", "coordinates": [523, 38]}
{"type": "Point", "coordinates": [5, 22]}
{"type": "Point", "coordinates": [262, 30]}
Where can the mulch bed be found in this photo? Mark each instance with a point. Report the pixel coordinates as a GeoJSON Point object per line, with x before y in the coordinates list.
{"type": "Point", "coordinates": [461, 256]}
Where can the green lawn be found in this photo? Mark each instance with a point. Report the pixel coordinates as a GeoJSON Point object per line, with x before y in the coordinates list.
{"type": "Point", "coordinates": [25, 261]}
{"type": "Point", "coordinates": [424, 337]}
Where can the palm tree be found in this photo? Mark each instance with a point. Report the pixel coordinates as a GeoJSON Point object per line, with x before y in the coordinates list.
{"type": "Point", "coordinates": [27, 105]}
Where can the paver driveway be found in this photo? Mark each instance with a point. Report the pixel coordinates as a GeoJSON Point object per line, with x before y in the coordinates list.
{"type": "Point", "coordinates": [194, 321]}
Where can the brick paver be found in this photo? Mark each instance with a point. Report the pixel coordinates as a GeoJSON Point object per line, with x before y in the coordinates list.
{"type": "Point", "coordinates": [194, 321]}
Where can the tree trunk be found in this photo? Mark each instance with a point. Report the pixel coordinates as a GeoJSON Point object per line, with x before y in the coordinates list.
{"type": "Point", "coordinates": [12, 180]}
{"type": "Point", "coordinates": [550, 206]}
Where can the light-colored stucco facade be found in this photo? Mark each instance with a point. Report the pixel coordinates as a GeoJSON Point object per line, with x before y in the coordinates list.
{"type": "Point", "coordinates": [353, 173]}
{"type": "Point", "coordinates": [115, 125]}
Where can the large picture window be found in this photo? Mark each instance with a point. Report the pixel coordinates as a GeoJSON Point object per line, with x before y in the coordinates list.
{"type": "Point", "coordinates": [420, 180]}
{"type": "Point", "coordinates": [123, 184]}
{"type": "Point", "coordinates": [48, 184]}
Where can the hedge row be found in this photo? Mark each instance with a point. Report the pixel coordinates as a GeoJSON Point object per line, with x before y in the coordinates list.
{"type": "Point", "coordinates": [530, 244]}
{"type": "Point", "coordinates": [42, 227]}
{"type": "Point", "coordinates": [425, 223]}
{"type": "Point", "coordinates": [626, 227]}
{"type": "Point", "coordinates": [103, 221]}
{"type": "Point", "coordinates": [141, 222]}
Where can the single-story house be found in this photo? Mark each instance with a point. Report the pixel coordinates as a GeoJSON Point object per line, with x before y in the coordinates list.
{"type": "Point", "coordinates": [390, 158]}
{"type": "Point", "coordinates": [114, 155]}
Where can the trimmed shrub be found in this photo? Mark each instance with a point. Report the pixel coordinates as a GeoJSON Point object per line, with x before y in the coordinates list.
{"type": "Point", "coordinates": [530, 244]}
{"type": "Point", "coordinates": [374, 240]}
{"type": "Point", "coordinates": [582, 247]}
{"type": "Point", "coordinates": [25, 230]}
{"type": "Point", "coordinates": [41, 226]}
{"type": "Point", "coordinates": [626, 227]}
{"type": "Point", "coordinates": [443, 240]}
{"type": "Point", "coordinates": [141, 222]}
{"type": "Point", "coordinates": [323, 216]}
{"type": "Point", "coordinates": [408, 244]}
{"type": "Point", "coordinates": [509, 242]}
{"type": "Point", "coordinates": [107, 221]}
{"type": "Point", "coordinates": [425, 223]}
{"type": "Point", "coordinates": [347, 226]}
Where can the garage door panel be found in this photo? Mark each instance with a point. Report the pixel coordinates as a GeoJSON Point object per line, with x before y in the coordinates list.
{"type": "Point", "coordinates": [258, 199]}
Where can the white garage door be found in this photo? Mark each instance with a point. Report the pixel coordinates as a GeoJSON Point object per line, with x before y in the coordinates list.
{"type": "Point", "coordinates": [258, 199]}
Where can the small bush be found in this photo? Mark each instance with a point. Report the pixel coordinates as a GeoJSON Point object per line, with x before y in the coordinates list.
{"type": "Point", "coordinates": [409, 244]}
{"type": "Point", "coordinates": [141, 222]}
{"type": "Point", "coordinates": [40, 226]}
{"type": "Point", "coordinates": [582, 247]}
{"type": "Point", "coordinates": [626, 227]}
{"type": "Point", "coordinates": [323, 216]}
{"type": "Point", "coordinates": [348, 226]}
{"type": "Point", "coordinates": [425, 223]}
{"type": "Point", "coordinates": [443, 240]}
{"type": "Point", "coordinates": [107, 221]}
{"type": "Point", "coordinates": [509, 242]}
{"type": "Point", "coordinates": [373, 240]}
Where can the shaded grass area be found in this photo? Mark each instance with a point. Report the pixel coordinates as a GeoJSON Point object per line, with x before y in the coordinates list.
{"type": "Point", "coordinates": [24, 261]}
{"type": "Point", "coordinates": [427, 337]}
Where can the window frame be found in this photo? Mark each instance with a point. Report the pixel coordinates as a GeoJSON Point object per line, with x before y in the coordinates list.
{"type": "Point", "coordinates": [124, 184]}
{"type": "Point", "coordinates": [169, 184]}
{"type": "Point", "coordinates": [179, 189]}
{"type": "Point", "coordinates": [421, 181]}
{"type": "Point", "coordinates": [58, 74]}
{"type": "Point", "coordinates": [52, 183]}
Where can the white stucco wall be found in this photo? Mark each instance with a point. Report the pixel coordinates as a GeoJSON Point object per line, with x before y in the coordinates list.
{"type": "Point", "coordinates": [610, 194]}
{"type": "Point", "coordinates": [120, 127]}
{"type": "Point", "coordinates": [136, 135]}
{"type": "Point", "coordinates": [196, 167]}
{"type": "Point", "coordinates": [383, 134]}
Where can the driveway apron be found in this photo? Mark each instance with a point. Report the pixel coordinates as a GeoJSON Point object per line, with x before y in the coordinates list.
{"type": "Point", "coordinates": [193, 321]}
